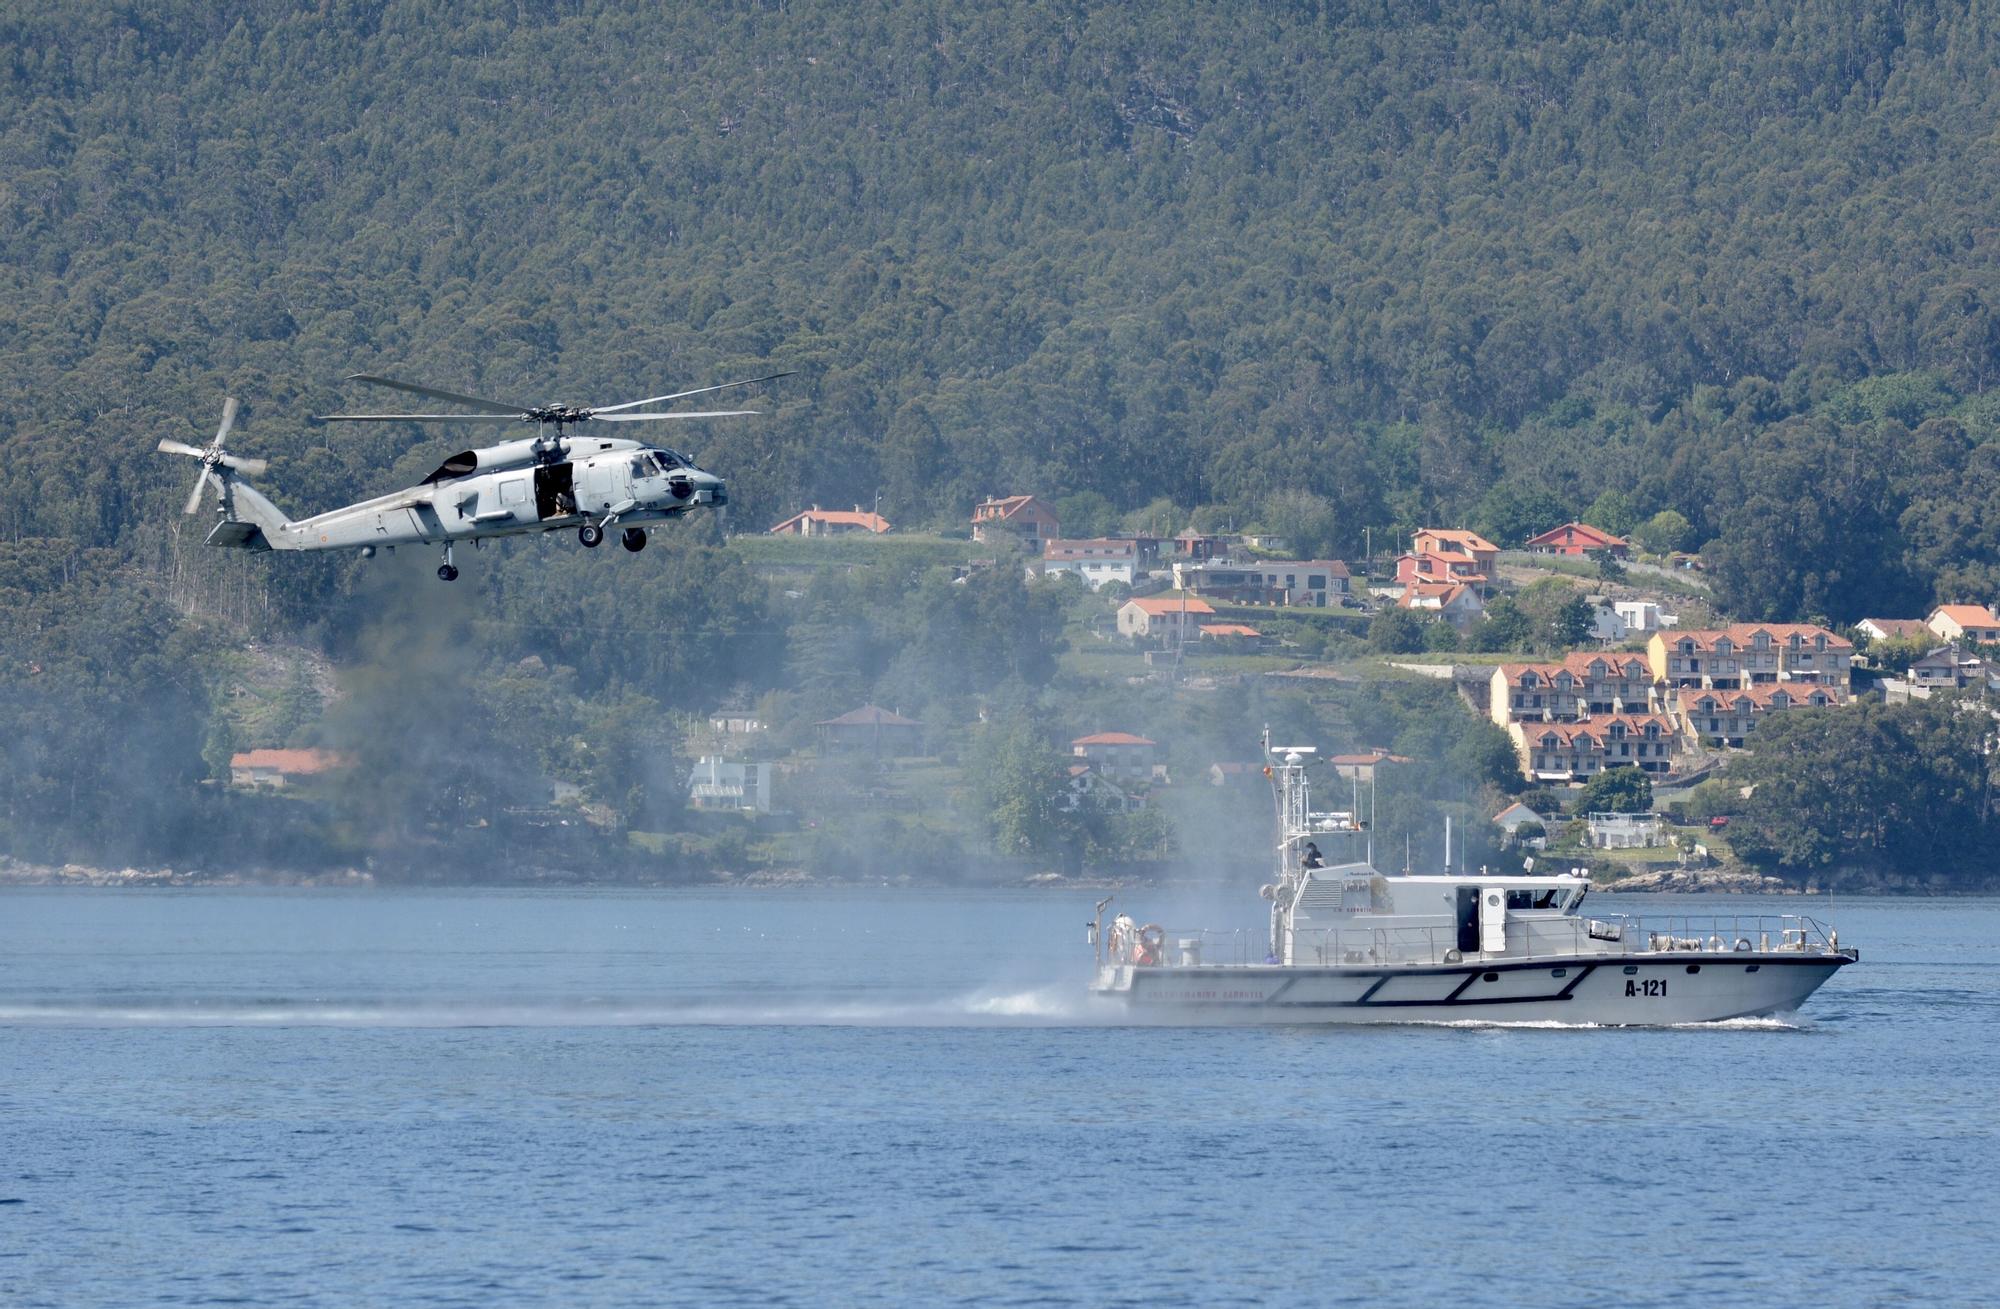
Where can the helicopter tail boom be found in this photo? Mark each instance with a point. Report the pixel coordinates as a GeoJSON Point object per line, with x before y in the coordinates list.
{"type": "Point", "coordinates": [252, 522]}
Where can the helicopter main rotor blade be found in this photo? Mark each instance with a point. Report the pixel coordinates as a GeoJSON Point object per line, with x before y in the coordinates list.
{"type": "Point", "coordinates": [183, 448]}
{"type": "Point", "coordinates": [251, 467]}
{"type": "Point", "coordinates": [201, 484]}
{"type": "Point", "coordinates": [643, 418]}
{"type": "Point", "coordinates": [228, 418]}
{"type": "Point", "coordinates": [469, 401]}
{"type": "Point", "coordinates": [418, 418]}
{"type": "Point", "coordinates": [678, 395]}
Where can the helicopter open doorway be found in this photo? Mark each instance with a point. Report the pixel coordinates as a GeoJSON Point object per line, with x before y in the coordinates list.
{"type": "Point", "coordinates": [555, 490]}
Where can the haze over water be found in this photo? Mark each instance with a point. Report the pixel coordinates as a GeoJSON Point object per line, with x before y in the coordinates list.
{"type": "Point", "coordinates": [883, 1097]}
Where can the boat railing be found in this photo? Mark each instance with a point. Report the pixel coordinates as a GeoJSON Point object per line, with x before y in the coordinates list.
{"type": "Point", "coordinates": [1618, 935]}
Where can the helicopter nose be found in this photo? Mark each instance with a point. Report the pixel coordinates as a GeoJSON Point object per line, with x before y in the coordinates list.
{"type": "Point", "coordinates": [712, 490]}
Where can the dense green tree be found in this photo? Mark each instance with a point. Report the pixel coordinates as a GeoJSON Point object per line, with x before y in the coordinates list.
{"type": "Point", "coordinates": [1624, 790]}
{"type": "Point", "coordinates": [1395, 631]}
{"type": "Point", "coordinates": [1664, 533]}
{"type": "Point", "coordinates": [1905, 787]}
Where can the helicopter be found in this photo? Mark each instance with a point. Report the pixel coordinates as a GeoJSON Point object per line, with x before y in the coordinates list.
{"type": "Point", "coordinates": [554, 480]}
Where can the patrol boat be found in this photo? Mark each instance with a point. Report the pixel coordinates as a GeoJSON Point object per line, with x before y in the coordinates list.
{"type": "Point", "coordinates": [1349, 945]}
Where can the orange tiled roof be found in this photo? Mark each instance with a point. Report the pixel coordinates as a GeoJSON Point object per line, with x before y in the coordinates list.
{"type": "Point", "coordinates": [1601, 538]}
{"type": "Point", "coordinates": [1443, 592]}
{"type": "Point", "coordinates": [1470, 542]}
{"type": "Point", "coordinates": [1741, 634]}
{"type": "Point", "coordinates": [292, 763]}
{"type": "Point", "coordinates": [1229, 629]}
{"type": "Point", "coordinates": [1760, 697]}
{"type": "Point", "coordinates": [837, 518]}
{"type": "Point", "coordinates": [1111, 738]}
{"type": "Point", "coordinates": [1967, 615]}
{"type": "Point", "coordinates": [1007, 507]}
{"type": "Point", "coordinates": [1368, 760]}
{"type": "Point", "coordinates": [1156, 605]}
{"type": "Point", "coordinates": [1598, 728]}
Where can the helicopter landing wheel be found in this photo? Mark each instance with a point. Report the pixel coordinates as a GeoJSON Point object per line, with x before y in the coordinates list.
{"type": "Point", "coordinates": [633, 539]}
{"type": "Point", "coordinates": [591, 535]}
{"type": "Point", "coordinates": [447, 573]}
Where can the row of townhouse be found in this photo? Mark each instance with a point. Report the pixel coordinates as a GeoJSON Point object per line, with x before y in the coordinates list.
{"type": "Point", "coordinates": [1588, 711]}
{"type": "Point", "coordinates": [1750, 654]}
{"type": "Point", "coordinates": [1571, 752]}
{"type": "Point", "coordinates": [1582, 685]}
{"type": "Point", "coordinates": [1727, 718]}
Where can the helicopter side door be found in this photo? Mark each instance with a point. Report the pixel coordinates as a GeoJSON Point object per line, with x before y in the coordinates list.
{"type": "Point", "coordinates": [555, 491]}
{"type": "Point", "coordinates": [601, 485]}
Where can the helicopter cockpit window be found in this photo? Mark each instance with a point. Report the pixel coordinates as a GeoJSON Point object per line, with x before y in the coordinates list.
{"type": "Point", "coordinates": [666, 460]}
{"type": "Point", "coordinates": [642, 466]}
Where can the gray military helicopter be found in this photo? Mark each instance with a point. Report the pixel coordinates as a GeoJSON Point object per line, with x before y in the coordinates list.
{"type": "Point", "coordinates": [544, 483]}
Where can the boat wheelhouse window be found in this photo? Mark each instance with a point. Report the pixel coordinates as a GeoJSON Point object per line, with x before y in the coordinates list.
{"type": "Point", "coordinates": [1548, 899]}
{"type": "Point", "coordinates": [1520, 899]}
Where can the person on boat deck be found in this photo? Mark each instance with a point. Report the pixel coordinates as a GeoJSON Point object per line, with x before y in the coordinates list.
{"type": "Point", "coordinates": [1311, 858]}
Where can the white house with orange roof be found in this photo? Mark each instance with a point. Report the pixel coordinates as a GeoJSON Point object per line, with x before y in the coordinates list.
{"type": "Point", "coordinates": [1022, 515]}
{"type": "Point", "coordinates": [832, 522]}
{"type": "Point", "coordinates": [1096, 561]}
{"type": "Point", "coordinates": [1892, 629]}
{"type": "Point", "coordinates": [278, 769]}
{"type": "Point", "coordinates": [1164, 617]}
{"type": "Point", "coordinates": [1579, 539]}
{"type": "Point", "coordinates": [1445, 555]}
{"type": "Point", "coordinates": [1965, 623]}
{"type": "Point", "coordinates": [1127, 759]}
{"type": "Point", "coordinates": [1458, 603]}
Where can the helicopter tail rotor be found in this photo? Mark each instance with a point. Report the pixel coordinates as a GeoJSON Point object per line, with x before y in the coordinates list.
{"type": "Point", "coordinates": [213, 456]}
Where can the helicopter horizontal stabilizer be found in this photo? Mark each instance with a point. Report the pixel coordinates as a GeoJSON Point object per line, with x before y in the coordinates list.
{"type": "Point", "coordinates": [238, 535]}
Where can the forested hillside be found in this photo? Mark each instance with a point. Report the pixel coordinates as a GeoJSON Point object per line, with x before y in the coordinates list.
{"type": "Point", "coordinates": [1325, 269]}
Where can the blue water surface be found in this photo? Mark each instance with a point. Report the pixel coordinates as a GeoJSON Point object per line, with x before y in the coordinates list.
{"type": "Point", "coordinates": [606, 1097]}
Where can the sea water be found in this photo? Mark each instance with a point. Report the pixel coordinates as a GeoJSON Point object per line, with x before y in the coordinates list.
{"type": "Point", "coordinates": [887, 1096]}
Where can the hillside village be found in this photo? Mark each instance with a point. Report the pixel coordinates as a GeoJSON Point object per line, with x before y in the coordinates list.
{"type": "Point", "coordinates": [1624, 665]}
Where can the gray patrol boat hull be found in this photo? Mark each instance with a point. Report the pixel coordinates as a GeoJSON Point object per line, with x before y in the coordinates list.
{"type": "Point", "coordinates": [1658, 990]}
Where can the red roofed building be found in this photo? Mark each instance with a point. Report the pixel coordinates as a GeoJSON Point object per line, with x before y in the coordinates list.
{"type": "Point", "coordinates": [281, 768]}
{"type": "Point", "coordinates": [1458, 603]}
{"type": "Point", "coordinates": [1746, 654]}
{"type": "Point", "coordinates": [1361, 767]}
{"type": "Point", "coordinates": [1235, 636]}
{"type": "Point", "coordinates": [1573, 752]}
{"type": "Point", "coordinates": [1578, 539]}
{"type": "Point", "coordinates": [1965, 623]}
{"type": "Point", "coordinates": [1096, 561]}
{"type": "Point", "coordinates": [1727, 717]}
{"type": "Point", "coordinates": [872, 728]}
{"type": "Point", "coordinates": [1891, 629]}
{"type": "Point", "coordinates": [1583, 684]}
{"type": "Point", "coordinates": [1124, 758]}
{"type": "Point", "coordinates": [1440, 555]}
{"type": "Point", "coordinates": [1022, 515]}
{"type": "Point", "coordinates": [831, 522]}
{"type": "Point", "coordinates": [1165, 616]}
